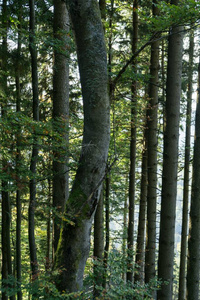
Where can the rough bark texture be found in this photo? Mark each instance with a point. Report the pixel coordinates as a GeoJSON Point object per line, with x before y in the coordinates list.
{"type": "Point", "coordinates": [184, 233]}
{"type": "Point", "coordinates": [152, 160]}
{"type": "Point", "coordinates": [60, 112]}
{"type": "Point", "coordinates": [32, 184]}
{"type": "Point", "coordinates": [74, 243]}
{"type": "Point", "coordinates": [130, 238]}
{"type": "Point", "coordinates": [170, 163]}
{"type": "Point", "coordinates": [194, 231]}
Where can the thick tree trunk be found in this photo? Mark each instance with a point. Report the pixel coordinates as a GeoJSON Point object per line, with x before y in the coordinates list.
{"type": "Point", "coordinates": [194, 231]}
{"type": "Point", "coordinates": [32, 184]}
{"type": "Point", "coordinates": [74, 243]}
{"type": "Point", "coordinates": [184, 233]}
{"type": "Point", "coordinates": [60, 112]}
{"type": "Point", "coordinates": [150, 272]}
{"type": "Point", "coordinates": [170, 163]}
{"type": "Point", "coordinates": [130, 238]}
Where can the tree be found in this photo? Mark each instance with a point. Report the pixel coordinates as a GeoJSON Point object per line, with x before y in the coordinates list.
{"type": "Point", "coordinates": [194, 232]}
{"type": "Point", "coordinates": [32, 184]}
{"type": "Point", "coordinates": [60, 113]}
{"type": "Point", "coordinates": [130, 237]}
{"type": "Point", "coordinates": [170, 162]}
{"type": "Point", "coordinates": [74, 242]}
{"type": "Point", "coordinates": [184, 233]}
{"type": "Point", "coordinates": [152, 158]}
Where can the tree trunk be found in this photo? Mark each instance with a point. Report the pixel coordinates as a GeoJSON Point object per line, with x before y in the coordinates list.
{"type": "Point", "coordinates": [184, 234]}
{"type": "Point", "coordinates": [74, 243]}
{"type": "Point", "coordinates": [140, 248]}
{"type": "Point", "coordinates": [193, 263]}
{"type": "Point", "coordinates": [170, 162]}
{"type": "Point", "coordinates": [60, 114]}
{"type": "Point", "coordinates": [6, 209]}
{"type": "Point", "coordinates": [107, 221]}
{"type": "Point", "coordinates": [18, 158]}
{"type": "Point", "coordinates": [150, 272]}
{"type": "Point", "coordinates": [132, 151]}
{"type": "Point", "coordinates": [98, 246]}
{"type": "Point", "coordinates": [32, 184]}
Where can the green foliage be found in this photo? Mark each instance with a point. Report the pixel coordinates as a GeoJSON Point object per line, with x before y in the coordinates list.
{"type": "Point", "coordinates": [117, 288]}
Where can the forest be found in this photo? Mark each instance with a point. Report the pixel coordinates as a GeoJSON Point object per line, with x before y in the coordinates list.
{"type": "Point", "coordinates": [100, 149]}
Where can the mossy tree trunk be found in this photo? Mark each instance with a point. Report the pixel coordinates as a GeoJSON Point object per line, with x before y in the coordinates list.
{"type": "Point", "coordinates": [74, 243]}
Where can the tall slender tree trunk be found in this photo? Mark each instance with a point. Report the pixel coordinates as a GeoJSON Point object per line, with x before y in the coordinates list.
{"type": "Point", "coordinates": [98, 245]}
{"type": "Point", "coordinates": [140, 248]}
{"type": "Point", "coordinates": [33, 166]}
{"type": "Point", "coordinates": [132, 151]}
{"type": "Point", "coordinates": [184, 233]}
{"type": "Point", "coordinates": [60, 114]}
{"type": "Point", "coordinates": [107, 228]}
{"type": "Point", "coordinates": [170, 162]}
{"type": "Point", "coordinates": [6, 209]}
{"type": "Point", "coordinates": [18, 159]}
{"type": "Point", "coordinates": [4, 193]}
{"type": "Point", "coordinates": [150, 272]}
{"type": "Point", "coordinates": [74, 243]}
{"type": "Point", "coordinates": [193, 263]}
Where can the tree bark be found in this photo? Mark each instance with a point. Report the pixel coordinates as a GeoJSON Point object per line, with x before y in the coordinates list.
{"type": "Point", "coordinates": [170, 162]}
{"type": "Point", "coordinates": [33, 165]}
{"type": "Point", "coordinates": [140, 248]}
{"type": "Point", "coordinates": [18, 158]}
{"type": "Point", "coordinates": [132, 152]}
{"type": "Point", "coordinates": [193, 263]}
{"type": "Point", "coordinates": [74, 243]}
{"type": "Point", "coordinates": [98, 246]}
{"type": "Point", "coordinates": [150, 272]}
{"type": "Point", "coordinates": [184, 233]}
{"type": "Point", "coordinates": [107, 229]}
{"type": "Point", "coordinates": [60, 114]}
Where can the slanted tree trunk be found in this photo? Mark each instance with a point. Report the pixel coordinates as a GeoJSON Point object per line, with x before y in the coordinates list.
{"type": "Point", "coordinates": [193, 263]}
{"type": "Point", "coordinates": [184, 233]}
{"type": "Point", "coordinates": [170, 162]}
{"type": "Point", "coordinates": [74, 243]}
{"type": "Point", "coordinates": [150, 272]}
{"type": "Point", "coordinates": [33, 166]}
{"type": "Point", "coordinates": [130, 238]}
{"type": "Point", "coordinates": [60, 114]}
